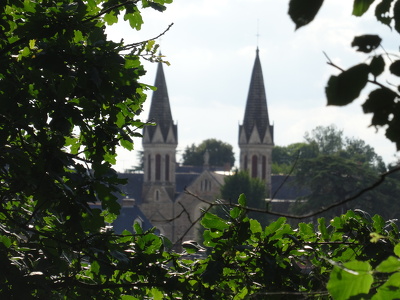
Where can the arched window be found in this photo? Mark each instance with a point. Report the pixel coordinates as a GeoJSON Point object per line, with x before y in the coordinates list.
{"type": "Point", "coordinates": [264, 167]}
{"type": "Point", "coordinates": [157, 195]}
{"type": "Point", "coordinates": [149, 167]}
{"type": "Point", "coordinates": [167, 167]}
{"type": "Point", "coordinates": [254, 164]}
{"type": "Point", "coordinates": [158, 167]}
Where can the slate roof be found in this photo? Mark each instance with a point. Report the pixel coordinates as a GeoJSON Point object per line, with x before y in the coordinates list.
{"type": "Point", "coordinates": [133, 189]}
{"type": "Point", "coordinates": [126, 218]}
{"type": "Point", "coordinates": [283, 188]}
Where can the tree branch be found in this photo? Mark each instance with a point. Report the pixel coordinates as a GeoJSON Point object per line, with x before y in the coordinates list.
{"type": "Point", "coordinates": [287, 176]}
{"type": "Point", "coordinates": [103, 12]}
{"type": "Point", "coordinates": [129, 46]}
{"type": "Point", "coordinates": [311, 214]}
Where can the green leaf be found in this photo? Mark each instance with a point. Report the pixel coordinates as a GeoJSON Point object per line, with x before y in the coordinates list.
{"type": "Point", "coordinates": [389, 265]}
{"type": "Point", "coordinates": [377, 65]}
{"type": "Point", "coordinates": [379, 223]}
{"type": "Point", "coordinates": [157, 6]}
{"type": "Point", "coordinates": [382, 12]}
{"type": "Point", "coordinates": [306, 230]}
{"type": "Point", "coordinates": [381, 103]}
{"type": "Point", "coordinates": [156, 294]}
{"type": "Point", "coordinates": [110, 18]}
{"type": "Point", "coordinates": [131, 63]}
{"type": "Point", "coordinates": [212, 221]}
{"type": "Point", "coordinates": [392, 132]}
{"type": "Point", "coordinates": [235, 212]}
{"type": "Point", "coordinates": [255, 226]}
{"type": "Point", "coordinates": [361, 6]}
{"type": "Point", "coordinates": [138, 229]}
{"type": "Point", "coordinates": [397, 250]}
{"type": "Point", "coordinates": [95, 267]}
{"type": "Point", "coordinates": [32, 44]}
{"type": "Point", "coordinates": [242, 294]}
{"type": "Point", "coordinates": [396, 16]}
{"type": "Point", "coordinates": [390, 290]}
{"type": "Point", "coordinates": [375, 237]}
{"type": "Point", "coordinates": [322, 229]}
{"type": "Point", "coordinates": [6, 241]}
{"type": "Point", "coordinates": [344, 88]}
{"type": "Point", "coordinates": [111, 158]}
{"type": "Point", "coordinates": [135, 19]}
{"type": "Point", "coordinates": [352, 279]}
{"type": "Point", "coordinates": [24, 52]}
{"type": "Point", "coordinates": [208, 239]}
{"type": "Point", "coordinates": [78, 37]}
{"type": "Point", "coordinates": [127, 144]}
{"type": "Point", "coordinates": [242, 200]}
{"type": "Point", "coordinates": [150, 44]}
{"type": "Point", "coordinates": [274, 226]}
{"type": "Point", "coordinates": [120, 120]}
{"type": "Point", "coordinates": [303, 12]}
{"type": "Point", "coordinates": [395, 68]}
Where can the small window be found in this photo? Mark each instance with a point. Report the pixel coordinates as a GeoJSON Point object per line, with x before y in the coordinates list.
{"type": "Point", "coordinates": [158, 167]}
{"type": "Point", "coordinates": [264, 167]}
{"type": "Point", "coordinates": [149, 168]}
{"type": "Point", "coordinates": [254, 163]}
{"type": "Point", "coordinates": [167, 167]}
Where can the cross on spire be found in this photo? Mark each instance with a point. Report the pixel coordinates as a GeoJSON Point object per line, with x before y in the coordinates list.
{"type": "Point", "coordinates": [258, 31]}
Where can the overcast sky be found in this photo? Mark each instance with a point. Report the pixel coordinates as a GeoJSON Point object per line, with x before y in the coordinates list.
{"type": "Point", "coordinates": [211, 48]}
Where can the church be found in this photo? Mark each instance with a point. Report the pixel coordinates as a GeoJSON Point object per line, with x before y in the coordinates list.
{"type": "Point", "coordinates": [158, 198]}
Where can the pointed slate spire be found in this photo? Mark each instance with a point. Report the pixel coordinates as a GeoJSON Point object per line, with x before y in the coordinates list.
{"type": "Point", "coordinates": [256, 113]}
{"type": "Point", "coordinates": [160, 110]}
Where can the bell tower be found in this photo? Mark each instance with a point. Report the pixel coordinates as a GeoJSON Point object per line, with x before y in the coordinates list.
{"type": "Point", "coordinates": [159, 146]}
{"type": "Point", "coordinates": [256, 135]}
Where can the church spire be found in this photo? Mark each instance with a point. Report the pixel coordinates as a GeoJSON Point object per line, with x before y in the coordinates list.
{"type": "Point", "coordinates": [256, 134]}
{"type": "Point", "coordinates": [256, 113]}
{"type": "Point", "coordinates": [160, 110]}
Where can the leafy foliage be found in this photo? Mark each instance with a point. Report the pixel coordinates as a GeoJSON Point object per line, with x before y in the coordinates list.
{"type": "Point", "coordinates": [254, 188]}
{"type": "Point", "coordinates": [344, 88]}
{"type": "Point", "coordinates": [284, 158]}
{"type": "Point", "coordinates": [220, 153]}
{"type": "Point", "coordinates": [324, 140]}
{"type": "Point", "coordinates": [69, 97]}
{"type": "Point", "coordinates": [350, 256]}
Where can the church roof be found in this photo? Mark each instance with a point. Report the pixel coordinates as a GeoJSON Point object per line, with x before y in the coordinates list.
{"type": "Point", "coordinates": [160, 110]}
{"type": "Point", "coordinates": [256, 113]}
